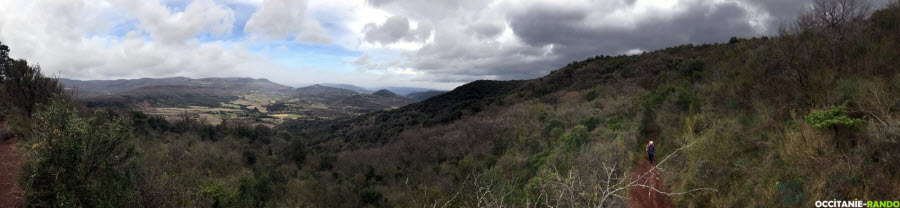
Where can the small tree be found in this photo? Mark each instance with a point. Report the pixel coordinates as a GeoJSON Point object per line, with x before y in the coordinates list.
{"type": "Point", "coordinates": [4, 56]}
{"type": "Point", "coordinates": [834, 117]}
{"type": "Point", "coordinates": [24, 87]}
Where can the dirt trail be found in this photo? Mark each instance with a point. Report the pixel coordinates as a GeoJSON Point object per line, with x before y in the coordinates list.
{"type": "Point", "coordinates": [9, 168]}
{"type": "Point", "coordinates": [643, 196]}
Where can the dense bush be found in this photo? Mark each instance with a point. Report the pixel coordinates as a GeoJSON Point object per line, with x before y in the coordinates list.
{"type": "Point", "coordinates": [76, 161]}
{"type": "Point", "coordinates": [591, 95]}
{"type": "Point", "coordinates": [577, 137]}
{"type": "Point", "coordinates": [591, 122]}
{"type": "Point", "coordinates": [835, 116]}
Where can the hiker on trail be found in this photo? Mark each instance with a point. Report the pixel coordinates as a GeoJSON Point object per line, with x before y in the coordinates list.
{"type": "Point", "coordinates": [651, 150]}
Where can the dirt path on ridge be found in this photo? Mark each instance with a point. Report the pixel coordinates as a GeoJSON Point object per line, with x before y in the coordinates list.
{"type": "Point", "coordinates": [10, 159]}
{"type": "Point", "coordinates": [643, 196]}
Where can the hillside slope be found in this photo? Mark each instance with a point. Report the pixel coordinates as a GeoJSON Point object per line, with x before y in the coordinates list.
{"type": "Point", "coordinates": [175, 91]}
{"type": "Point", "coordinates": [809, 115]}
{"type": "Point", "coordinates": [424, 95]}
{"type": "Point", "coordinates": [92, 88]}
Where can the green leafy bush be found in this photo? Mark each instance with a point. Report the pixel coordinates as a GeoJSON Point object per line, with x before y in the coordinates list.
{"type": "Point", "coordinates": [577, 137]}
{"type": "Point", "coordinates": [687, 101]}
{"type": "Point", "coordinates": [78, 162]}
{"type": "Point", "coordinates": [832, 117]}
{"type": "Point", "coordinates": [553, 124]}
{"type": "Point", "coordinates": [590, 122]}
{"type": "Point", "coordinates": [657, 96]}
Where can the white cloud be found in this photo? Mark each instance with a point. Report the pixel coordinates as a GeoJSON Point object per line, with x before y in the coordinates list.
{"type": "Point", "coordinates": [395, 29]}
{"type": "Point", "coordinates": [280, 19]}
{"type": "Point", "coordinates": [199, 17]}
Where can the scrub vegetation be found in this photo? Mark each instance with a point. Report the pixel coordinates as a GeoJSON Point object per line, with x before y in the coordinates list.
{"type": "Point", "coordinates": [810, 114]}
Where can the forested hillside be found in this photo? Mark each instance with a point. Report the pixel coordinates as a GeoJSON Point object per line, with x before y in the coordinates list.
{"type": "Point", "coordinates": [808, 115]}
{"type": "Point", "coordinates": [811, 114]}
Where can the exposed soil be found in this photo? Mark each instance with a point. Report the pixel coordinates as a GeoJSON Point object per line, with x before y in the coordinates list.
{"type": "Point", "coordinates": [645, 197]}
{"type": "Point", "coordinates": [10, 194]}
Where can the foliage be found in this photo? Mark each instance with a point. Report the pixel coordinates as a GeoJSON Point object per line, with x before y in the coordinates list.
{"type": "Point", "coordinates": [4, 59]}
{"type": "Point", "coordinates": [591, 95]}
{"type": "Point", "coordinates": [577, 137]}
{"type": "Point", "coordinates": [257, 189]}
{"type": "Point", "coordinates": [835, 116]}
{"type": "Point", "coordinates": [78, 161]}
{"type": "Point", "coordinates": [370, 196]}
{"type": "Point", "coordinates": [552, 125]}
{"type": "Point", "coordinates": [591, 122]}
{"type": "Point", "coordinates": [24, 87]}
{"type": "Point", "coordinates": [791, 192]}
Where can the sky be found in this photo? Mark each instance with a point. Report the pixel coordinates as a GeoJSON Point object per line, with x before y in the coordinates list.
{"type": "Point", "coordinates": [437, 44]}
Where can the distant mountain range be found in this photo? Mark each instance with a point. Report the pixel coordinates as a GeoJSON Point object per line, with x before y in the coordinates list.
{"type": "Point", "coordinates": [315, 101]}
{"type": "Point", "coordinates": [416, 93]}
{"type": "Point", "coordinates": [170, 92]}
{"type": "Point", "coordinates": [93, 88]}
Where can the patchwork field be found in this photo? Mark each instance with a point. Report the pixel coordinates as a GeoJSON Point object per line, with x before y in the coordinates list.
{"type": "Point", "coordinates": [251, 101]}
{"type": "Point", "coordinates": [210, 115]}
{"type": "Point", "coordinates": [244, 108]}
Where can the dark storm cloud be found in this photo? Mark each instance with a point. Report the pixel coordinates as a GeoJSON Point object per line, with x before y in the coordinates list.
{"type": "Point", "coordinates": [551, 34]}
{"type": "Point", "coordinates": [566, 30]}
{"type": "Point", "coordinates": [486, 29]}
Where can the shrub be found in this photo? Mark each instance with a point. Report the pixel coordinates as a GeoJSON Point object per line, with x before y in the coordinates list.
{"type": "Point", "coordinates": [222, 196]}
{"type": "Point", "coordinates": [849, 88]}
{"type": "Point", "coordinates": [590, 122]}
{"type": "Point", "coordinates": [591, 95]}
{"type": "Point", "coordinates": [577, 137]}
{"type": "Point", "coordinates": [257, 189]}
{"type": "Point", "coordinates": [657, 97]}
{"type": "Point", "coordinates": [831, 118]}
{"type": "Point", "coordinates": [370, 196]}
{"type": "Point", "coordinates": [78, 162]}
{"type": "Point", "coordinates": [615, 123]}
{"type": "Point", "coordinates": [791, 192]}
{"type": "Point", "coordinates": [693, 69]}
{"type": "Point", "coordinates": [553, 124]}
{"type": "Point", "coordinates": [297, 152]}
{"type": "Point", "coordinates": [687, 101]}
